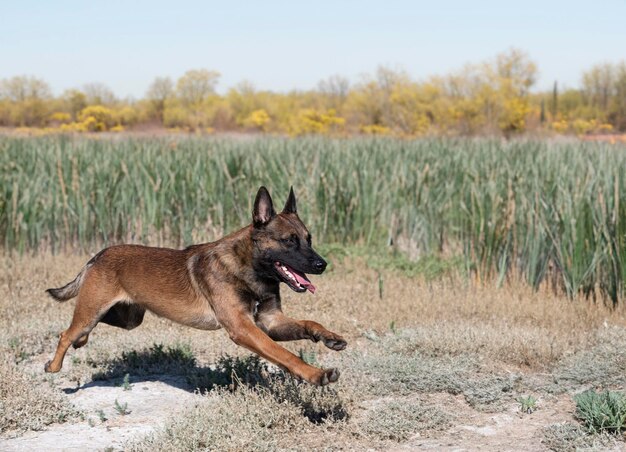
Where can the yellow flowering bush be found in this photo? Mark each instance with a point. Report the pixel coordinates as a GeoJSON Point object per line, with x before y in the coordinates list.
{"type": "Point", "coordinates": [258, 119]}
{"type": "Point", "coordinates": [74, 127]}
{"type": "Point", "coordinates": [97, 118]}
{"type": "Point", "coordinates": [513, 117]}
{"type": "Point", "coordinates": [126, 116]}
{"type": "Point", "coordinates": [560, 126]}
{"type": "Point", "coordinates": [313, 121]}
{"type": "Point", "coordinates": [583, 126]}
{"type": "Point", "coordinates": [61, 117]}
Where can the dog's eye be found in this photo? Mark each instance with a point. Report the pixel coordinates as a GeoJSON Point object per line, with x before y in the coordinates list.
{"type": "Point", "coordinates": [291, 240]}
{"type": "Point", "coordinates": [309, 239]}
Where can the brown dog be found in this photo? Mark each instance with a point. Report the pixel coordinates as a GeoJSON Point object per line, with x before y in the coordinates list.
{"type": "Point", "coordinates": [231, 283]}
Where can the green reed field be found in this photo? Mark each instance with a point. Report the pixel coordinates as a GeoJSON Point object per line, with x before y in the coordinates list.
{"type": "Point", "coordinates": [544, 211]}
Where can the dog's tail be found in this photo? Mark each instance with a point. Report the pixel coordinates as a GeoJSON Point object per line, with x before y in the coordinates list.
{"type": "Point", "coordinates": [70, 290]}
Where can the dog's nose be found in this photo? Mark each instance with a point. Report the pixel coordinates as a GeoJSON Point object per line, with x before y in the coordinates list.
{"type": "Point", "coordinates": [320, 265]}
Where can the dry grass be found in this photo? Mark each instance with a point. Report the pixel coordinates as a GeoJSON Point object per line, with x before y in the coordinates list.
{"type": "Point", "coordinates": [219, 423]}
{"type": "Point", "coordinates": [568, 437]}
{"type": "Point", "coordinates": [400, 419]}
{"type": "Point", "coordinates": [28, 402]}
{"type": "Point", "coordinates": [422, 338]}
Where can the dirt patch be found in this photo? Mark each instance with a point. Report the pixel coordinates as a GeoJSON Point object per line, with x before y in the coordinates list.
{"type": "Point", "coordinates": [150, 404]}
{"type": "Point", "coordinates": [509, 430]}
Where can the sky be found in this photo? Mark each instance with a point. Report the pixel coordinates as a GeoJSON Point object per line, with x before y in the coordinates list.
{"type": "Point", "coordinates": [285, 45]}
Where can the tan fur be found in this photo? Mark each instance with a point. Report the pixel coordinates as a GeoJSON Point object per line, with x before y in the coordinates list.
{"type": "Point", "coordinates": [207, 286]}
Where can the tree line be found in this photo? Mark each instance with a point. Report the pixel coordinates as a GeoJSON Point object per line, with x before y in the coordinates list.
{"type": "Point", "coordinates": [491, 97]}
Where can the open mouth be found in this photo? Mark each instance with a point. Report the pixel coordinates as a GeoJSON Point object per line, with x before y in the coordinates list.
{"type": "Point", "coordinates": [296, 280]}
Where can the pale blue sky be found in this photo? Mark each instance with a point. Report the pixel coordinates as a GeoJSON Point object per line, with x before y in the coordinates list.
{"type": "Point", "coordinates": [282, 45]}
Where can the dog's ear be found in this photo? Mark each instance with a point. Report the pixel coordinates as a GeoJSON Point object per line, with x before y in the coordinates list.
{"type": "Point", "coordinates": [290, 205]}
{"type": "Point", "coordinates": [263, 208]}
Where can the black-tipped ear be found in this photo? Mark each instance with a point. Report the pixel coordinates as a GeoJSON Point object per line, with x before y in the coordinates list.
{"type": "Point", "coordinates": [263, 208]}
{"type": "Point", "coordinates": [290, 205]}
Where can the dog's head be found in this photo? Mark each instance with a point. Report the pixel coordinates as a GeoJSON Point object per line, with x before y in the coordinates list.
{"type": "Point", "coordinates": [283, 250]}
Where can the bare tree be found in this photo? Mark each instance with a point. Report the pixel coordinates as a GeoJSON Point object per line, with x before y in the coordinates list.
{"type": "Point", "coordinates": [598, 85]}
{"type": "Point", "coordinates": [195, 86]}
{"type": "Point", "coordinates": [161, 89]}
{"type": "Point", "coordinates": [22, 88]}
{"type": "Point", "coordinates": [517, 67]}
{"type": "Point", "coordinates": [335, 88]}
{"type": "Point", "coordinates": [99, 94]}
{"type": "Point", "coordinates": [28, 96]}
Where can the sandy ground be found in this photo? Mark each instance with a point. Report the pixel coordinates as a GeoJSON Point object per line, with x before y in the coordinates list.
{"type": "Point", "coordinates": [153, 402]}
{"type": "Point", "coordinates": [150, 403]}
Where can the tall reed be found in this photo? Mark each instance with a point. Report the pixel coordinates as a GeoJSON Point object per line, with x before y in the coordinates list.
{"type": "Point", "coordinates": [536, 209]}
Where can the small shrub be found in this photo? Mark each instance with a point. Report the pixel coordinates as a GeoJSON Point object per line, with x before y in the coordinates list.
{"type": "Point", "coordinates": [528, 404]}
{"type": "Point", "coordinates": [121, 408]}
{"type": "Point", "coordinates": [158, 359]}
{"type": "Point", "coordinates": [101, 416]}
{"type": "Point", "coordinates": [126, 383]}
{"type": "Point", "coordinates": [602, 412]}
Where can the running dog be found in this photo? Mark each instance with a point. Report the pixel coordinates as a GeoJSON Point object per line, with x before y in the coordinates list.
{"type": "Point", "coordinates": [232, 283]}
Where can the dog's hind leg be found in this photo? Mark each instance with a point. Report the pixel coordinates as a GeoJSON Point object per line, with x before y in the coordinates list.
{"type": "Point", "coordinates": [86, 316]}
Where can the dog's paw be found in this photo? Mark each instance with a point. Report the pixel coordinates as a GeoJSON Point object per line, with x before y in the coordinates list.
{"type": "Point", "coordinates": [329, 376]}
{"type": "Point", "coordinates": [47, 368]}
{"type": "Point", "coordinates": [335, 342]}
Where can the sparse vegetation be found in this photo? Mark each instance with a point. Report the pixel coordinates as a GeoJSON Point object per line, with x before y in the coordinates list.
{"type": "Point", "coordinates": [456, 352]}
{"type": "Point", "coordinates": [401, 419]}
{"type": "Point", "coordinates": [386, 371]}
{"type": "Point", "coordinates": [569, 437]}
{"type": "Point", "coordinates": [242, 420]}
{"type": "Point", "coordinates": [27, 403]}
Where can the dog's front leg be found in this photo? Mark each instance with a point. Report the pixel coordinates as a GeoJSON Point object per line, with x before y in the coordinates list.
{"type": "Point", "coordinates": [245, 333]}
{"type": "Point", "coordinates": [282, 328]}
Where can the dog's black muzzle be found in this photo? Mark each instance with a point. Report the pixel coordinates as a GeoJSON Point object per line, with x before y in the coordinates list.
{"type": "Point", "coordinates": [319, 265]}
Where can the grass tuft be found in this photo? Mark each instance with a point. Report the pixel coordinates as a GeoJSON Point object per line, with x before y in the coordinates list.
{"type": "Point", "coordinates": [603, 412]}
{"type": "Point", "coordinates": [399, 420]}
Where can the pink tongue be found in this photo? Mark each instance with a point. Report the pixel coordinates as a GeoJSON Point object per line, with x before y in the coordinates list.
{"type": "Point", "coordinates": [303, 280]}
